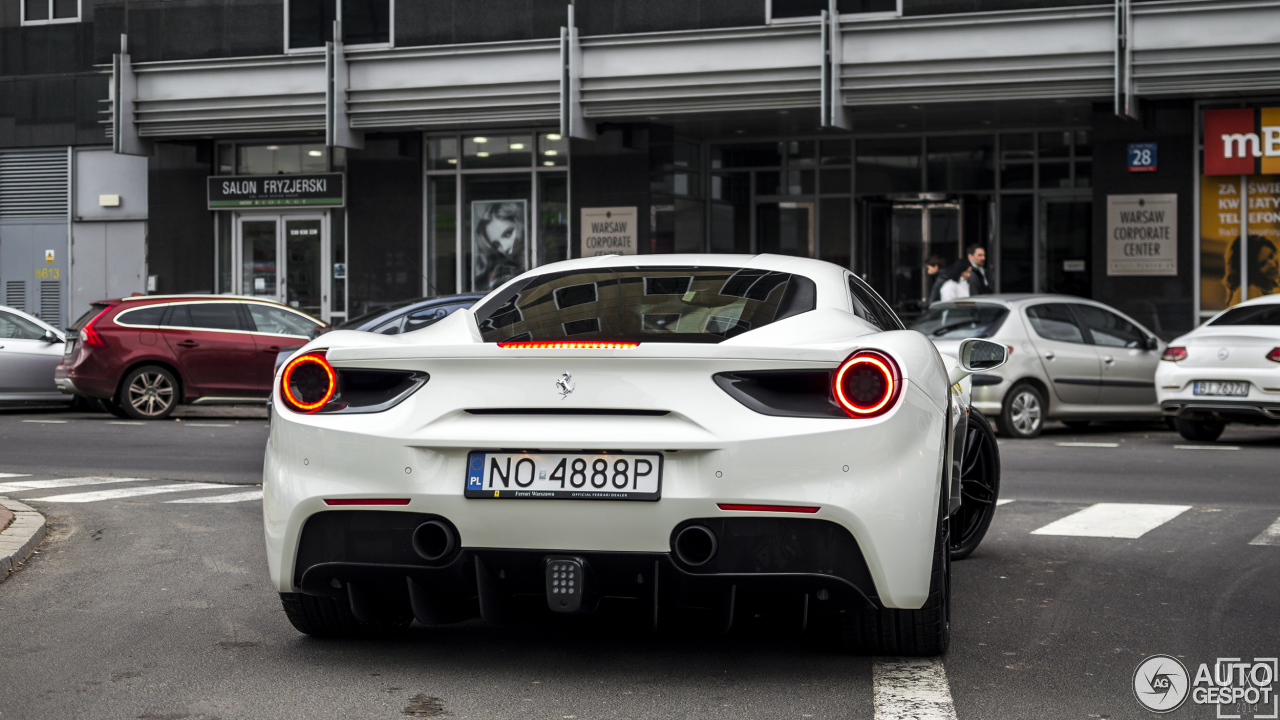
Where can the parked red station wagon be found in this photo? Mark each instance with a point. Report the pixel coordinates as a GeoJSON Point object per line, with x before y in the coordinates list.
{"type": "Point", "coordinates": [143, 355]}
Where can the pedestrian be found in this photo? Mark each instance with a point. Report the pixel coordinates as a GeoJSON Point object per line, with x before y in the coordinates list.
{"type": "Point", "coordinates": [957, 287]}
{"type": "Point", "coordinates": [978, 282]}
{"type": "Point", "coordinates": [937, 275]}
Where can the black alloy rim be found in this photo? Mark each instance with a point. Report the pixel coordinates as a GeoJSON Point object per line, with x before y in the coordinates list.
{"type": "Point", "coordinates": [977, 486]}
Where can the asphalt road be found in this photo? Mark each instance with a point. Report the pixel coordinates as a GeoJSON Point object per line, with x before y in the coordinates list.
{"type": "Point", "coordinates": [141, 607]}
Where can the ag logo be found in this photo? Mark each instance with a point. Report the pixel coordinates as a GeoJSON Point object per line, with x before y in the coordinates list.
{"type": "Point", "coordinates": [565, 385]}
{"type": "Point", "coordinates": [1160, 683]}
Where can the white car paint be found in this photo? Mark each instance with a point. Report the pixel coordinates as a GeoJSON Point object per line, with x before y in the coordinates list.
{"type": "Point", "coordinates": [1225, 352]}
{"type": "Point", "coordinates": [881, 478]}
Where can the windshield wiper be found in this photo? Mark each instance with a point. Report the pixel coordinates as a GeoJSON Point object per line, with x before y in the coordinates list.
{"type": "Point", "coordinates": [953, 326]}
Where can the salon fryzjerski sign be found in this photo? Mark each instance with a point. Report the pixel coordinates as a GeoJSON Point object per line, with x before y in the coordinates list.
{"type": "Point", "coordinates": [250, 191]}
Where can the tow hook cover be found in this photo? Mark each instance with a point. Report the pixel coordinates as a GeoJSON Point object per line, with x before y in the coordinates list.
{"type": "Point", "coordinates": [566, 582]}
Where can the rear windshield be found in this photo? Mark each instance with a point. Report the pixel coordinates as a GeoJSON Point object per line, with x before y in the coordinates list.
{"type": "Point", "coordinates": [85, 318]}
{"type": "Point", "coordinates": [1252, 315]}
{"type": "Point", "coordinates": [644, 304]}
{"type": "Point", "coordinates": [956, 322]}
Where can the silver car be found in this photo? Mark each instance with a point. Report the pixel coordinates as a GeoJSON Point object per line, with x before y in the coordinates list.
{"type": "Point", "coordinates": [29, 351]}
{"type": "Point", "coordinates": [1071, 359]}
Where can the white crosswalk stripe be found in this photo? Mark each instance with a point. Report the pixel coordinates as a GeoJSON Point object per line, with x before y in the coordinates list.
{"type": "Point", "coordinates": [911, 689]}
{"type": "Point", "coordinates": [122, 493]}
{"type": "Point", "coordinates": [1113, 520]}
{"type": "Point", "coordinates": [8, 475]}
{"type": "Point", "coordinates": [1270, 536]}
{"type": "Point", "coordinates": [22, 485]}
{"type": "Point", "coordinates": [232, 498]}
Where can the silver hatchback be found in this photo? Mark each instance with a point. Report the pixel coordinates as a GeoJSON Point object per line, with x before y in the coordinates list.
{"type": "Point", "coordinates": [1070, 359]}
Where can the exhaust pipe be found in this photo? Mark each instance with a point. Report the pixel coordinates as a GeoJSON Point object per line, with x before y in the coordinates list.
{"type": "Point", "coordinates": [434, 540]}
{"type": "Point", "coordinates": [696, 545]}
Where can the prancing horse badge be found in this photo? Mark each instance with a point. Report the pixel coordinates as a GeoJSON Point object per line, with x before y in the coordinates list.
{"type": "Point", "coordinates": [565, 385]}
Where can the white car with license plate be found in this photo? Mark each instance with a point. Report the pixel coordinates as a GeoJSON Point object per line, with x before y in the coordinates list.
{"type": "Point", "coordinates": [715, 436]}
{"type": "Point", "coordinates": [1227, 370]}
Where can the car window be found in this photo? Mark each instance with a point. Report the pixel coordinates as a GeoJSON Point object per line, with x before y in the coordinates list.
{"type": "Point", "coordinates": [19, 328]}
{"type": "Point", "coordinates": [1110, 329]}
{"type": "Point", "coordinates": [215, 316]}
{"type": "Point", "coordinates": [429, 316]}
{"type": "Point", "coordinates": [151, 315]}
{"type": "Point", "coordinates": [1054, 321]}
{"type": "Point", "coordinates": [278, 321]}
{"type": "Point", "coordinates": [945, 321]}
{"type": "Point", "coordinates": [866, 300]}
{"type": "Point", "coordinates": [390, 327]}
{"type": "Point", "coordinates": [85, 318]}
{"type": "Point", "coordinates": [861, 307]}
{"type": "Point", "coordinates": [1252, 315]}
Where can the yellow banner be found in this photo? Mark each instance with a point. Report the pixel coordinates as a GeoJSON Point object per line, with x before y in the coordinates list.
{"type": "Point", "coordinates": [1221, 261]}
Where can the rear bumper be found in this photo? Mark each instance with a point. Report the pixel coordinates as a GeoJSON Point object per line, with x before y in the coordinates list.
{"type": "Point", "coordinates": [77, 382]}
{"type": "Point", "coordinates": [1244, 411]}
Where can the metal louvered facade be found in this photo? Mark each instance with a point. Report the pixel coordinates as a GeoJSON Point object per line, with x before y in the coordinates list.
{"type": "Point", "coordinates": [33, 184]}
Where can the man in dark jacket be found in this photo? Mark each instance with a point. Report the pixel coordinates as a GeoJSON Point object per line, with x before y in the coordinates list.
{"type": "Point", "coordinates": [979, 284]}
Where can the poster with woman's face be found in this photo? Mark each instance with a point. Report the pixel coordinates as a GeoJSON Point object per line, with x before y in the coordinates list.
{"type": "Point", "coordinates": [1223, 258]}
{"type": "Point", "coordinates": [499, 229]}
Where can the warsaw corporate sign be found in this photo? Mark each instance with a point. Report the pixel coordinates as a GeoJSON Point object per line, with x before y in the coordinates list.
{"type": "Point", "coordinates": [250, 191]}
{"type": "Point", "coordinates": [1242, 141]}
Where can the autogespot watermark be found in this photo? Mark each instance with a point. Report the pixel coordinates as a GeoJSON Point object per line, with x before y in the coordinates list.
{"type": "Point", "coordinates": [1235, 687]}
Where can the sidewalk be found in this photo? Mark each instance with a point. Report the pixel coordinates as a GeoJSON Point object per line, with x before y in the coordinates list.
{"type": "Point", "coordinates": [23, 529]}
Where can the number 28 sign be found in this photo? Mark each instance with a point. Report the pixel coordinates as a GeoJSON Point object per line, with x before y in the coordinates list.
{"type": "Point", "coordinates": [1142, 157]}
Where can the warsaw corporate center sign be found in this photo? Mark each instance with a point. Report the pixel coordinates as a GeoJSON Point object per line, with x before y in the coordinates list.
{"type": "Point", "coordinates": [249, 191]}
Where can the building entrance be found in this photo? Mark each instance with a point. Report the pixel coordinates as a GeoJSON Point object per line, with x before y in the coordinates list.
{"type": "Point", "coordinates": [282, 257]}
{"type": "Point", "coordinates": [900, 237]}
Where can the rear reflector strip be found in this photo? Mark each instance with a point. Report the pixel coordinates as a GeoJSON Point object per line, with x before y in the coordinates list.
{"type": "Point", "coordinates": [769, 508]}
{"type": "Point", "coordinates": [569, 345]}
{"type": "Point", "coordinates": [366, 501]}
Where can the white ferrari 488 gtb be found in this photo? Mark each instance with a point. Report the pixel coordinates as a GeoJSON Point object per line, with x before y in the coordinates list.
{"type": "Point", "coordinates": [699, 436]}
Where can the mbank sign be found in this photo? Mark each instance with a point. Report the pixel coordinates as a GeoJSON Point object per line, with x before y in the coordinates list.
{"type": "Point", "coordinates": [1242, 141]}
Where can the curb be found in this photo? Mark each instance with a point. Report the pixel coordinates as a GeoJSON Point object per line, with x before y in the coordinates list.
{"type": "Point", "coordinates": [21, 537]}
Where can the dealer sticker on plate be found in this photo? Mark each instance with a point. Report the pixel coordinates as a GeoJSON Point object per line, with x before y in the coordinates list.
{"type": "Point", "coordinates": [564, 476]}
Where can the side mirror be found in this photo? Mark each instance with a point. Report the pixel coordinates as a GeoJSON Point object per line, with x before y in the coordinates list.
{"type": "Point", "coordinates": [51, 337]}
{"type": "Point", "coordinates": [977, 355]}
{"type": "Point", "coordinates": [1151, 343]}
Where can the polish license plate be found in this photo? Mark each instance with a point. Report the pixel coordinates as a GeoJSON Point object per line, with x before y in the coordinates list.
{"type": "Point", "coordinates": [1219, 387]}
{"type": "Point", "coordinates": [564, 476]}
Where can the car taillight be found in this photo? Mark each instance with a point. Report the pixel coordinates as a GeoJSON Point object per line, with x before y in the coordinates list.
{"type": "Point", "coordinates": [867, 384]}
{"type": "Point", "coordinates": [1174, 354]}
{"type": "Point", "coordinates": [90, 337]}
{"type": "Point", "coordinates": [568, 345]}
{"type": "Point", "coordinates": [1274, 355]}
{"type": "Point", "coordinates": [308, 383]}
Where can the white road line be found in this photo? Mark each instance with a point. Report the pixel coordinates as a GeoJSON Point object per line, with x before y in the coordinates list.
{"type": "Point", "coordinates": [122, 493]}
{"type": "Point", "coordinates": [1270, 536]}
{"type": "Point", "coordinates": [191, 424]}
{"type": "Point", "coordinates": [1113, 520]}
{"type": "Point", "coordinates": [911, 689]}
{"type": "Point", "coordinates": [1003, 501]}
{"type": "Point", "coordinates": [50, 422]}
{"type": "Point", "coordinates": [21, 485]}
{"type": "Point", "coordinates": [1086, 444]}
{"type": "Point", "coordinates": [5, 475]}
{"type": "Point", "coordinates": [232, 498]}
{"type": "Point", "coordinates": [125, 422]}
{"type": "Point", "coordinates": [1206, 447]}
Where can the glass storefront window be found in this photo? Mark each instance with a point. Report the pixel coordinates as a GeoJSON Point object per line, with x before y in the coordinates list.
{"type": "Point", "coordinates": [800, 152]}
{"type": "Point", "coordinates": [835, 233]}
{"type": "Point", "coordinates": [731, 213]}
{"type": "Point", "coordinates": [496, 217]}
{"type": "Point", "coordinates": [1019, 176]}
{"type": "Point", "coordinates": [1055, 144]}
{"type": "Point", "coordinates": [768, 182]}
{"type": "Point", "coordinates": [786, 228]}
{"type": "Point", "coordinates": [226, 159]}
{"type": "Point", "coordinates": [746, 155]}
{"type": "Point", "coordinates": [338, 256]}
{"type": "Point", "coordinates": [442, 153]}
{"type": "Point", "coordinates": [1055, 175]}
{"type": "Point", "coordinates": [837, 152]}
{"type": "Point", "coordinates": [800, 182]}
{"type": "Point", "coordinates": [553, 217]}
{"type": "Point", "coordinates": [1017, 216]}
{"type": "Point", "coordinates": [1084, 174]}
{"type": "Point", "coordinates": [838, 182]}
{"type": "Point", "coordinates": [961, 163]}
{"type": "Point", "coordinates": [282, 159]}
{"type": "Point", "coordinates": [225, 270]}
{"type": "Point", "coordinates": [888, 165]}
{"type": "Point", "coordinates": [499, 151]}
{"type": "Point", "coordinates": [553, 150]}
{"type": "Point", "coordinates": [442, 214]}
{"type": "Point", "coordinates": [1084, 143]}
{"type": "Point", "coordinates": [1017, 146]}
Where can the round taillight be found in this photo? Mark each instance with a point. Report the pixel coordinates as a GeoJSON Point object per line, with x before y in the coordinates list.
{"type": "Point", "coordinates": [1174, 354]}
{"type": "Point", "coordinates": [867, 384]}
{"type": "Point", "coordinates": [308, 383]}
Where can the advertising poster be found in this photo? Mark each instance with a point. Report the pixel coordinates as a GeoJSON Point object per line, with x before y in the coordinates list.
{"type": "Point", "coordinates": [499, 229]}
{"type": "Point", "coordinates": [609, 231]}
{"type": "Point", "coordinates": [1142, 234]}
{"type": "Point", "coordinates": [1222, 259]}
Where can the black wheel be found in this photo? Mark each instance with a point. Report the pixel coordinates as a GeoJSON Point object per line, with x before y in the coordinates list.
{"type": "Point", "coordinates": [110, 406]}
{"type": "Point", "coordinates": [1076, 424]}
{"type": "Point", "coordinates": [1200, 430]}
{"type": "Point", "coordinates": [1023, 412]}
{"type": "Point", "coordinates": [922, 633]}
{"type": "Point", "coordinates": [979, 487]}
{"type": "Point", "coordinates": [332, 618]}
{"type": "Point", "coordinates": [148, 393]}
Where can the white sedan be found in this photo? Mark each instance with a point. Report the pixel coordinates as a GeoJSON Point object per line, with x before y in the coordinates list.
{"type": "Point", "coordinates": [1227, 370]}
{"type": "Point", "coordinates": [708, 435]}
